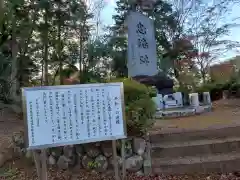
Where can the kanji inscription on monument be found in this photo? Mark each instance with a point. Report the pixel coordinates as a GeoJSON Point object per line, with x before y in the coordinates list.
{"type": "Point", "coordinates": [142, 54]}
{"type": "Point", "coordinates": [75, 114]}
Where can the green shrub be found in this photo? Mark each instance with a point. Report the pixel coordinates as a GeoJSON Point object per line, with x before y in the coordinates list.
{"type": "Point", "coordinates": [183, 89]}
{"type": "Point", "coordinates": [217, 89]}
{"type": "Point", "coordinates": [152, 92]}
{"type": "Point", "coordinates": [226, 86]}
{"type": "Point", "coordinates": [234, 88]}
{"type": "Point", "coordinates": [206, 88]}
{"type": "Point", "coordinates": [230, 85]}
{"type": "Point", "coordinates": [139, 107]}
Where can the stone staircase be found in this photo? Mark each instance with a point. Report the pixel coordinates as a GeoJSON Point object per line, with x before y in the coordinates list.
{"type": "Point", "coordinates": [203, 151]}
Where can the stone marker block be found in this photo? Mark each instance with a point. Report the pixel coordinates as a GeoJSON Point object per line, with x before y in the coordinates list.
{"type": "Point", "coordinates": [147, 167]}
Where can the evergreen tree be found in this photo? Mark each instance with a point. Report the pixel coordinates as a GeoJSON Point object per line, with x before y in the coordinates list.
{"type": "Point", "coordinates": [163, 17]}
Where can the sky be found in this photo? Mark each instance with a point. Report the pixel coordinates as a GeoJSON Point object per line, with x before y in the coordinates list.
{"type": "Point", "coordinates": [108, 11]}
{"type": "Point", "coordinates": [234, 35]}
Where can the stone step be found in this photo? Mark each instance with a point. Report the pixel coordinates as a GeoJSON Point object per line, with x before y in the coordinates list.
{"type": "Point", "coordinates": [198, 147]}
{"type": "Point", "coordinates": [183, 136]}
{"type": "Point", "coordinates": [223, 163]}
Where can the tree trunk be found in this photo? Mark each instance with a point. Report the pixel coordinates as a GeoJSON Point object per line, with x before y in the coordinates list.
{"type": "Point", "coordinates": [203, 75]}
{"type": "Point", "coordinates": [55, 75]}
{"type": "Point", "coordinates": [59, 48]}
{"type": "Point", "coordinates": [42, 76]}
{"type": "Point", "coordinates": [59, 56]}
{"type": "Point", "coordinates": [177, 74]}
{"type": "Point", "coordinates": [14, 68]}
{"type": "Point", "coordinates": [81, 52]}
{"type": "Point", "coordinates": [1, 10]}
{"type": "Point", "coordinates": [45, 57]}
{"type": "Point", "coordinates": [24, 80]}
{"type": "Point", "coordinates": [80, 58]}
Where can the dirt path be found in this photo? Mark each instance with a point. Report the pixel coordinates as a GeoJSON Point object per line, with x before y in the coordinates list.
{"type": "Point", "coordinates": [9, 123]}
{"type": "Point", "coordinates": [225, 113]}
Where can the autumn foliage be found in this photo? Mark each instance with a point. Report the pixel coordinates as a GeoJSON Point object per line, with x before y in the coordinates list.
{"type": "Point", "coordinates": [74, 79]}
{"type": "Point", "coordinates": [222, 72]}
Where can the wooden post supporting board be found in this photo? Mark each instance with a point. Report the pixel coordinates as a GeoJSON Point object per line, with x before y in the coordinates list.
{"type": "Point", "coordinates": [44, 164]}
{"type": "Point", "coordinates": [123, 160]}
{"type": "Point", "coordinates": [115, 160]}
{"type": "Point", "coordinates": [41, 164]}
{"type": "Point", "coordinates": [37, 161]}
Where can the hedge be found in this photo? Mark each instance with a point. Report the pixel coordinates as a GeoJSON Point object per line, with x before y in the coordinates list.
{"type": "Point", "coordinates": [216, 90]}
{"type": "Point", "coordinates": [139, 107]}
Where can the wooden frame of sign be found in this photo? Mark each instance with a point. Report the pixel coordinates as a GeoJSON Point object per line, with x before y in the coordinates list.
{"type": "Point", "coordinates": [73, 114]}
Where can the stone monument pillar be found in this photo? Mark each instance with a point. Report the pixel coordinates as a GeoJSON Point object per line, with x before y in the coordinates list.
{"type": "Point", "coordinates": [142, 52]}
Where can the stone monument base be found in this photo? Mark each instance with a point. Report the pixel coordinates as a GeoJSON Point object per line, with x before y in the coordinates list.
{"type": "Point", "coordinates": [172, 106]}
{"type": "Point", "coordinates": [182, 112]}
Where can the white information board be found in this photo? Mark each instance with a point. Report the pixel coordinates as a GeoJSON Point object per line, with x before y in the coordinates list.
{"type": "Point", "coordinates": [142, 54]}
{"type": "Point", "coordinates": [73, 114]}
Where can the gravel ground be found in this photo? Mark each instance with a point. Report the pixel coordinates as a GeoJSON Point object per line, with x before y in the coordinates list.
{"type": "Point", "coordinates": [20, 170]}
{"type": "Point", "coordinates": [225, 113]}
{"type": "Point", "coordinates": [21, 175]}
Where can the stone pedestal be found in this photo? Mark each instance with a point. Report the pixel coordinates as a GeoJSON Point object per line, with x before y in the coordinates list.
{"type": "Point", "coordinates": [194, 101]}
{"type": "Point", "coordinates": [206, 98]}
{"type": "Point", "coordinates": [158, 101]}
{"type": "Point", "coordinates": [225, 94]}
{"type": "Point", "coordinates": [169, 101]}
{"type": "Point", "coordinates": [165, 91]}
{"type": "Point", "coordinates": [163, 83]}
{"type": "Point", "coordinates": [179, 98]}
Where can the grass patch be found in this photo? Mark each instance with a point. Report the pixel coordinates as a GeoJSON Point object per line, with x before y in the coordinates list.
{"type": "Point", "coordinates": [9, 174]}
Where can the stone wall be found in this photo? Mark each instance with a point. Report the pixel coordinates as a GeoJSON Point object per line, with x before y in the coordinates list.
{"type": "Point", "coordinates": [93, 156]}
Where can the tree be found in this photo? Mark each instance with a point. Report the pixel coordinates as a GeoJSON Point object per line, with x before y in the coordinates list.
{"type": "Point", "coordinates": [222, 72]}
{"type": "Point", "coordinates": [86, 15]}
{"type": "Point", "coordinates": [39, 36]}
{"type": "Point", "coordinates": [16, 30]}
{"type": "Point", "coordinates": [205, 30]}
{"type": "Point", "coordinates": [163, 20]}
{"type": "Point", "coordinates": [198, 25]}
